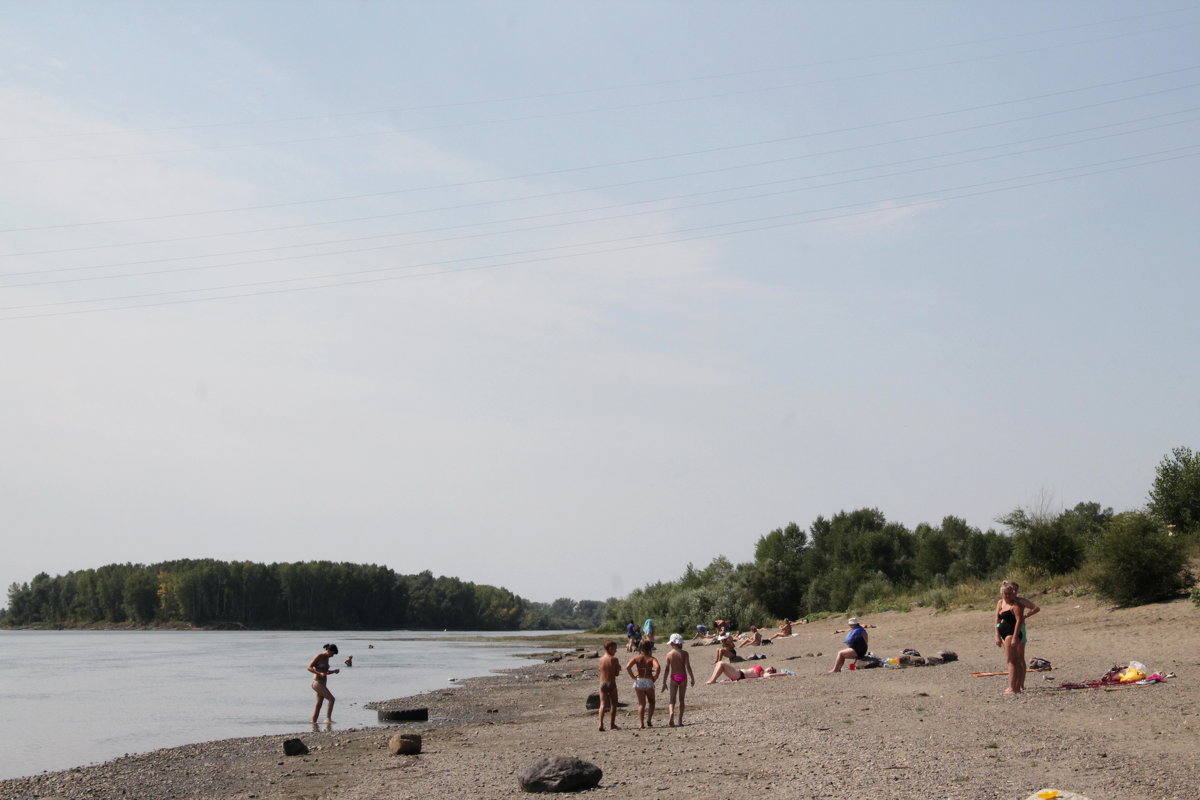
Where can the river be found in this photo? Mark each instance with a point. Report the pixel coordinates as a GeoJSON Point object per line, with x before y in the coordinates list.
{"type": "Point", "coordinates": [72, 698]}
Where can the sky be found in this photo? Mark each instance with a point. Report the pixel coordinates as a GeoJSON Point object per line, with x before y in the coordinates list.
{"type": "Point", "coordinates": [564, 296]}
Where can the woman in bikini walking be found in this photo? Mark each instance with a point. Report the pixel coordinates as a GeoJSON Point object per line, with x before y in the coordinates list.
{"type": "Point", "coordinates": [319, 667]}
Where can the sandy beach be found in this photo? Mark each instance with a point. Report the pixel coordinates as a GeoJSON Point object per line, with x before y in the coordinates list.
{"type": "Point", "coordinates": [915, 732]}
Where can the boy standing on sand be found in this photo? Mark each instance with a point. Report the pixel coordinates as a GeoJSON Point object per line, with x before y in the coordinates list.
{"type": "Point", "coordinates": [676, 671]}
{"type": "Point", "coordinates": [609, 669]}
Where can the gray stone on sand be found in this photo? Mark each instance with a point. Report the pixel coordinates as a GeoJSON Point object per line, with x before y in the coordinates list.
{"type": "Point", "coordinates": [294, 747]}
{"type": "Point", "coordinates": [559, 774]}
{"type": "Point", "coordinates": [405, 744]}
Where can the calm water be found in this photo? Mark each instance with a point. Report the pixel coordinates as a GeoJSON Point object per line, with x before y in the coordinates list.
{"type": "Point", "coordinates": [71, 698]}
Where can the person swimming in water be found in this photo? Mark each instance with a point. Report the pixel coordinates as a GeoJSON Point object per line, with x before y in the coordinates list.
{"type": "Point", "coordinates": [319, 666]}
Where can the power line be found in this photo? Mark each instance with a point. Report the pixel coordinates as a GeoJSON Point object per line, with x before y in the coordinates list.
{"type": "Point", "coordinates": [592, 220]}
{"type": "Point", "coordinates": [763, 223]}
{"type": "Point", "coordinates": [649, 159]}
{"type": "Point", "coordinates": [645, 84]}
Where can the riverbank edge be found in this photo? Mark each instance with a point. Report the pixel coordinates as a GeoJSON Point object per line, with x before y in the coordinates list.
{"type": "Point", "coordinates": [462, 704]}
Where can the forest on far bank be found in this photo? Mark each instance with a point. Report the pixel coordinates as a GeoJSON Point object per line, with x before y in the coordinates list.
{"type": "Point", "coordinates": [853, 561]}
{"type": "Point", "coordinates": [320, 595]}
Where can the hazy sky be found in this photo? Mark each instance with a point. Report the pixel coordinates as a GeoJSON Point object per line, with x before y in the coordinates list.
{"type": "Point", "coordinates": [561, 296]}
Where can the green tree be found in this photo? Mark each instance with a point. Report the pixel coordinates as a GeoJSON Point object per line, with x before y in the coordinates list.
{"type": "Point", "coordinates": [141, 597]}
{"type": "Point", "coordinates": [1043, 543]}
{"type": "Point", "coordinates": [1175, 496]}
{"type": "Point", "coordinates": [1087, 522]}
{"type": "Point", "coordinates": [1137, 561]}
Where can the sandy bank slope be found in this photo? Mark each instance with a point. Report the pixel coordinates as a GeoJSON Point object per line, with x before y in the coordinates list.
{"type": "Point", "coordinates": [931, 732]}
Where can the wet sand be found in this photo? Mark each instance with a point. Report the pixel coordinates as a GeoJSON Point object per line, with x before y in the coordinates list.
{"type": "Point", "coordinates": [916, 732]}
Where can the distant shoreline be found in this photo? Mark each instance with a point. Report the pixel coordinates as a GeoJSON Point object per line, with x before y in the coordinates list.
{"type": "Point", "coordinates": [124, 626]}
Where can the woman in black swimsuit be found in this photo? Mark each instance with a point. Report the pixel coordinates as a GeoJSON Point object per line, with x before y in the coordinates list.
{"type": "Point", "coordinates": [1011, 613]}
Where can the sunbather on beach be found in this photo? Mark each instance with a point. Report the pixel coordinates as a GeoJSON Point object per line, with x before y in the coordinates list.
{"type": "Point", "coordinates": [727, 650]}
{"type": "Point", "coordinates": [734, 674]}
{"type": "Point", "coordinates": [647, 668]}
{"type": "Point", "coordinates": [785, 629]}
{"type": "Point", "coordinates": [677, 671]}
{"type": "Point", "coordinates": [752, 638]}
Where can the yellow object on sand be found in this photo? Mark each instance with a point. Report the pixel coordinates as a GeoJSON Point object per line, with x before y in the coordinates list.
{"type": "Point", "coordinates": [1055, 794]}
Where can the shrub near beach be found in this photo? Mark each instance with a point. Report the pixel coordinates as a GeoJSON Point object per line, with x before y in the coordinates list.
{"type": "Point", "coordinates": [1137, 561]}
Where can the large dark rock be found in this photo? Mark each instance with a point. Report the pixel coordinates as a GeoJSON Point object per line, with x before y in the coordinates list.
{"type": "Point", "coordinates": [294, 747]}
{"type": "Point", "coordinates": [560, 774]}
{"type": "Point", "coordinates": [403, 715]}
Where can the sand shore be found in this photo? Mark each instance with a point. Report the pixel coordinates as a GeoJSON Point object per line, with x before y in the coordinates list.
{"type": "Point", "coordinates": [917, 732]}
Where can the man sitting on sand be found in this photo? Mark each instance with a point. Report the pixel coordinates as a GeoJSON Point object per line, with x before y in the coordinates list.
{"type": "Point", "coordinates": [856, 645]}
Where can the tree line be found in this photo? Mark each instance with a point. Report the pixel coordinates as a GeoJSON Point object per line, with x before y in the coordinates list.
{"type": "Point", "coordinates": [855, 560]}
{"type": "Point", "coordinates": [859, 561]}
{"type": "Point", "coordinates": [302, 595]}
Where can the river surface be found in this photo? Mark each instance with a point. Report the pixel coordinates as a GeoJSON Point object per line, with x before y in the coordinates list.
{"type": "Point", "coordinates": [72, 698]}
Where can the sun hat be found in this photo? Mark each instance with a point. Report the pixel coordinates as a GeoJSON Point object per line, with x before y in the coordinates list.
{"type": "Point", "coordinates": [854, 620]}
{"type": "Point", "coordinates": [675, 639]}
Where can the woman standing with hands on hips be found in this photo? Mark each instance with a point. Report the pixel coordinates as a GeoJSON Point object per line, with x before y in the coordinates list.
{"type": "Point", "coordinates": [319, 667]}
{"type": "Point", "coordinates": [1011, 613]}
